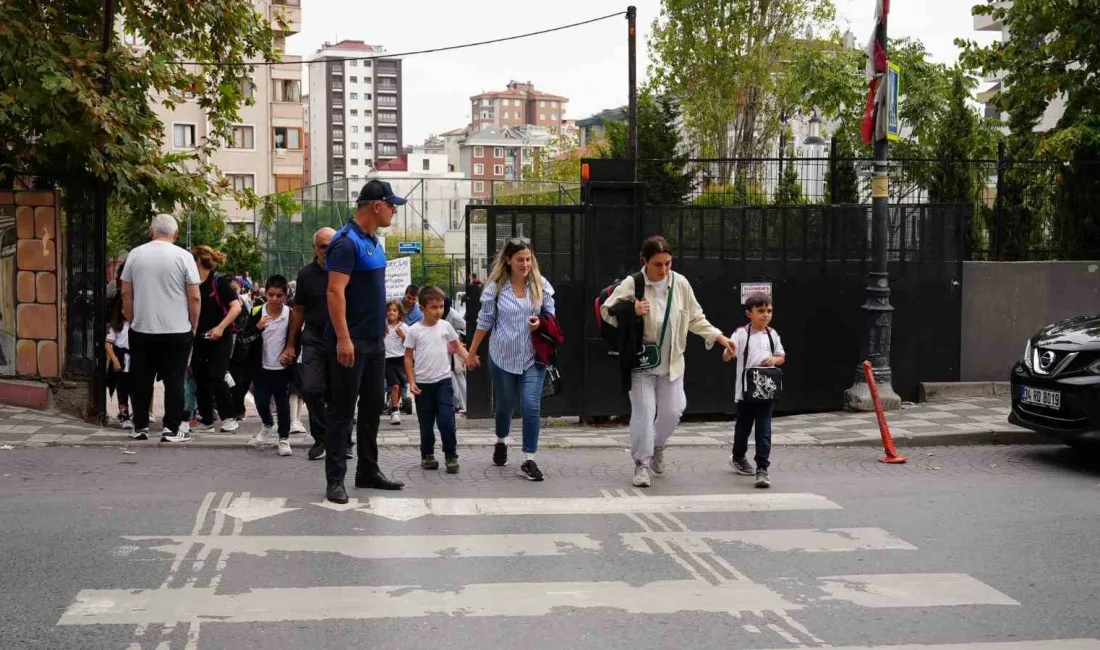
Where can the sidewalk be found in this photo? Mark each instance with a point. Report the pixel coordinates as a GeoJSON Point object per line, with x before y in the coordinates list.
{"type": "Point", "coordinates": [956, 422]}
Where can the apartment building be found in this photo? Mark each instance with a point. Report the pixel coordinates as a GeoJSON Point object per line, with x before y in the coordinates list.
{"type": "Point", "coordinates": [519, 104]}
{"type": "Point", "coordinates": [492, 157]}
{"type": "Point", "coordinates": [265, 153]}
{"type": "Point", "coordinates": [354, 110]}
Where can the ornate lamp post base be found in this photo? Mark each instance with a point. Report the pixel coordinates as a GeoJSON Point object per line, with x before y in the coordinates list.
{"type": "Point", "coordinates": [878, 318]}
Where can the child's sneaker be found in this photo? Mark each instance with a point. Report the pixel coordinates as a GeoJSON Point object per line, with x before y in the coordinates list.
{"type": "Point", "coordinates": [180, 436]}
{"type": "Point", "coordinates": [202, 427]}
{"type": "Point", "coordinates": [530, 471]}
{"type": "Point", "coordinates": [395, 417]}
{"type": "Point", "coordinates": [297, 427]}
{"type": "Point", "coordinates": [641, 476]}
{"type": "Point", "coordinates": [230, 425]}
{"type": "Point", "coordinates": [140, 434]}
{"type": "Point", "coordinates": [261, 437]}
{"type": "Point", "coordinates": [762, 480]}
{"type": "Point", "coordinates": [429, 462]}
{"type": "Point", "coordinates": [452, 464]}
{"type": "Point", "coordinates": [284, 447]}
{"type": "Point", "coordinates": [657, 463]}
{"type": "Point", "coordinates": [742, 466]}
{"type": "Point", "coordinates": [127, 424]}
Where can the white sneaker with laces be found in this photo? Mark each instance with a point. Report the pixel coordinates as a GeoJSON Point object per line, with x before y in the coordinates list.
{"type": "Point", "coordinates": [297, 427]}
{"type": "Point", "coordinates": [641, 476]}
{"type": "Point", "coordinates": [284, 448]}
{"type": "Point", "coordinates": [395, 418]}
{"type": "Point", "coordinates": [262, 437]}
{"type": "Point", "coordinates": [657, 463]}
{"type": "Point", "coordinates": [181, 436]}
{"type": "Point", "coordinates": [230, 425]}
{"type": "Point", "coordinates": [127, 424]}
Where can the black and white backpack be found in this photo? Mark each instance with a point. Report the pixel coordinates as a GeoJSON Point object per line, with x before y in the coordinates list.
{"type": "Point", "coordinates": [760, 383]}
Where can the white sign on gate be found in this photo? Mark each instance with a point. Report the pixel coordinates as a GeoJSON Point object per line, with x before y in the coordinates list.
{"type": "Point", "coordinates": [398, 277]}
{"type": "Point", "coordinates": [749, 288]}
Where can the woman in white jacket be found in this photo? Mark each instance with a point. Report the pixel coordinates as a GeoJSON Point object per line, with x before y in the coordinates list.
{"type": "Point", "coordinates": [669, 311]}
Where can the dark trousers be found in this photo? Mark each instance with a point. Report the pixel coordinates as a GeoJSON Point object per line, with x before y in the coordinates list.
{"type": "Point", "coordinates": [749, 414]}
{"type": "Point", "coordinates": [242, 382]}
{"type": "Point", "coordinates": [313, 382]}
{"type": "Point", "coordinates": [436, 404]}
{"type": "Point", "coordinates": [209, 363]}
{"type": "Point", "coordinates": [163, 355]}
{"type": "Point", "coordinates": [347, 386]}
{"type": "Point", "coordinates": [275, 384]}
{"type": "Point", "coordinates": [122, 388]}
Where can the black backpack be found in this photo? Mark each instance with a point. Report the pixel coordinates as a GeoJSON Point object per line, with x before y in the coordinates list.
{"type": "Point", "coordinates": [608, 332]}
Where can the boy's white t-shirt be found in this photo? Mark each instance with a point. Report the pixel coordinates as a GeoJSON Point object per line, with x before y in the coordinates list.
{"type": "Point", "coordinates": [395, 347]}
{"type": "Point", "coordinates": [431, 348]}
{"type": "Point", "coordinates": [121, 340]}
{"type": "Point", "coordinates": [274, 336]}
{"type": "Point", "coordinates": [759, 350]}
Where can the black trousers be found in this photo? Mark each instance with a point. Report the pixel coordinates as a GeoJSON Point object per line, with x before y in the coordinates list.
{"type": "Point", "coordinates": [313, 380]}
{"type": "Point", "coordinates": [274, 385]}
{"type": "Point", "coordinates": [361, 383]}
{"type": "Point", "coordinates": [209, 363]}
{"type": "Point", "coordinates": [163, 355]}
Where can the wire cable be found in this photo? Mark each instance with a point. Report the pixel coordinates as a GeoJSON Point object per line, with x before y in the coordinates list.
{"type": "Point", "coordinates": [433, 50]}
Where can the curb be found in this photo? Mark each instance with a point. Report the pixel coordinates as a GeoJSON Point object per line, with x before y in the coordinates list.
{"type": "Point", "coordinates": [949, 390]}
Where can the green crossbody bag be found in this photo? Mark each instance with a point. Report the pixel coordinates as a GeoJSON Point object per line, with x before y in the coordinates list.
{"type": "Point", "coordinates": [650, 356]}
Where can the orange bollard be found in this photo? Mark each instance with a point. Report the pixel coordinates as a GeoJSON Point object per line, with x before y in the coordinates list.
{"type": "Point", "coordinates": [883, 428]}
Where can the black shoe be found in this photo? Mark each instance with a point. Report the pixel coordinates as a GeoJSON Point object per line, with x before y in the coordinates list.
{"type": "Point", "coordinates": [452, 464]}
{"type": "Point", "coordinates": [377, 482]}
{"type": "Point", "coordinates": [429, 462]}
{"type": "Point", "coordinates": [350, 452]}
{"type": "Point", "coordinates": [530, 471]}
{"type": "Point", "coordinates": [500, 454]}
{"type": "Point", "coordinates": [407, 406]}
{"type": "Point", "coordinates": [336, 493]}
{"type": "Point", "coordinates": [317, 451]}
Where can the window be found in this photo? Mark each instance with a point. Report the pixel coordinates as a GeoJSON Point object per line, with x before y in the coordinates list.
{"type": "Point", "coordinates": [337, 176]}
{"type": "Point", "coordinates": [368, 129]}
{"type": "Point", "coordinates": [354, 162]}
{"type": "Point", "coordinates": [368, 113]}
{"type": "Point", "coordinates": [338, 133]}
{"type": "Point", "coordinates": [426, 164]}
{"type": "Point", "coordinates": [367, 63]}
{"type": "Point", "coordinates": [183, 136]}
{"type": "Point", "coordinates": [367, 145]}
{"type": "Point", "coordinates": [337, 149]}
{"type": "Point", "coordinates": [542, 104]}
{"type": "Point", "coordinates": [338, 117]}
{"type": "Point", "coordinates": [248, 89]}
{"type": "Point", "coordinates": [479, 169]}
{"type": "Point", "coordinates": [288, 90]}
{"type": "Point", "coordinates": [354, 145]}
{"type": "Point", "coordinates": [355, 128]}
{"type": "Point", "coordinates": [484, 102]}
{"type": "Point", "coordinates": [479, 152]}
{"type": "Point", "coordinates": [553, 116]}
{"type": "Point", "coordinates": [367, 80]}
{"type": "Point", "coordinates": [355, 112]}
{"type": "Point", "coordinates": [287, 138]}
{"type": "Point", "coordinates": [243, 137]}
{"type": "Point", "coordinates": [337, 102]}
{"type": "Point", "coordinates": [366, 96]}
{"type": "Point", "coordinates": [507, 115]}
{"type": "Point", "coordinates": [498, 170]}
{"type": "Point", "coordinates": [509, 170]}
{"type": "Point", "coordinates": [553, 104]}
{"type": "Point", "coordinates": [479, 186]}
{"type": "Point", "coordinates": [337, 69]}
{"type": "Point", "coordinates": [242, 182]}
{"type": "Point", "coordinates": [542, 116]}
{"type": "Point", "coordinates": [498, 152]}
{"type": "Point", "coordinates": [353, 96]}
{"type": "Point", "coordinates": [354, 64]}
{"type": "Point", "coordinates": [354, 80]}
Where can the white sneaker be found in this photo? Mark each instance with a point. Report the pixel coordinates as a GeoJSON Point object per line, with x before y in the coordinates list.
{"type": "Point", "coordinates": [168, 436]}
{"type": "Point", "coordinates": [641, 476]}
{"type": "Point", "coordinates": [395, 418]}
{"type": "Point", "coordinates": [284, 448]}
{"type": "Point", "coordinates": [657, 463]}
{"type": "Point", "coordinates": [230, 425]}
{"type": "Point", "coordinates": [203, 428]}
{"type": "Point", "coordinates": [297, 427]}
{"type": "Point", "coordinates": [127, 424]}
{"type": "Point", "coordinates": [185, 427]}
{"type": "Point", "coordinates": [262, 437]}
{"type": "Point", "coordinates": [140, 434]}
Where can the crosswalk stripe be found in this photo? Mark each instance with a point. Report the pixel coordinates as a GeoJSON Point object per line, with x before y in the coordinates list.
{"type": "Point", "coordinates": [912, 590]}
{"type": "Point", "coordinates": [1059, 644]}
{"type": "Point", "coordinates": [801, 540]}
{"type": "Point", "coordinates": [405, 509]}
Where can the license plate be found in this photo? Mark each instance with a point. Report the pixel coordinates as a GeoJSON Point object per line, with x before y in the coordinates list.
{"type": "Point", "coordinates": [1039, 397]}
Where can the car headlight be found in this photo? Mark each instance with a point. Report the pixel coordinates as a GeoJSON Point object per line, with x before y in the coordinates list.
{"type": "Point", "coordinates": [1094, 367]}
{"type": "Point", "coordinates": [1027, 355]}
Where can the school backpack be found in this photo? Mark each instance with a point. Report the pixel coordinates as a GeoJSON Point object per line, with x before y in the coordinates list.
{"type": "Point", "coordinates": [218, 278]}
{"type": "Point", "coordinates": [608, 332]}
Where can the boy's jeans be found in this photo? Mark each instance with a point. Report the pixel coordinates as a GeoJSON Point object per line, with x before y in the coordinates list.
{"type": "Point", "coordinates": [760, 414]}
{"type": "Point", "coordinates": [275, 384]}
{"type": "Point", "coordinates": [435, 403]}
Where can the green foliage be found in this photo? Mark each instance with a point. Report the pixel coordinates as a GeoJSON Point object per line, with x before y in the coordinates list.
{"type": "Point", "coordinates": [789, 189]}
{"type": "Point", "coordinates": [662, 168]}
{"type": "Point", "coordinates": [243, 254]}
{"type": "Point", "coordinates": [846, 191]}
{"type": "Point", "coordinates": [91, 115]}
{"type": "Point", "coordinates": [737, 194]}
{"type": "Point", "coordinates": [1076, 224]}
{"type": "Point", "coordinates": [952, 140]}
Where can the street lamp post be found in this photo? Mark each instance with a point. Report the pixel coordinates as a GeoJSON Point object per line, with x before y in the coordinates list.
{"type": "Point", "coordinates": [878, 313]}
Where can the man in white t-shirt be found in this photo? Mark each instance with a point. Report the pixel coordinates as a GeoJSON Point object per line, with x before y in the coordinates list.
{"type": "Point", "coordinates": [160, 297]}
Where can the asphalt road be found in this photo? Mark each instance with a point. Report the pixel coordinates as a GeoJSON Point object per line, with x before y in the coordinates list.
{"type": "Point", "coordinates": [996, 548]}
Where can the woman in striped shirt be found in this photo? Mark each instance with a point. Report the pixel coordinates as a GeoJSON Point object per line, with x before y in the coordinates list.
{"type": "Point", "coordinates": [511, 304]}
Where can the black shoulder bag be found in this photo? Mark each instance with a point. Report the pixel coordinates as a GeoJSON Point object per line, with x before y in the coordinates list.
{"type": "Point", "coordinates": [760, 384]}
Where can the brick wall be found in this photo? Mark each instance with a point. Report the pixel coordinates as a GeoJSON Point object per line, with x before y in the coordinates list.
{"type": "Point", "coordinates": [36, 270]}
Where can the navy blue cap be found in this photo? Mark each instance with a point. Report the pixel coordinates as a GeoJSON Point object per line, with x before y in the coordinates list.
{"type": "Point", "coordinates": [376, 190]}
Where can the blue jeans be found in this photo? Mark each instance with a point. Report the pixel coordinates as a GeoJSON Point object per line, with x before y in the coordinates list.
{"type": "Point", "coordinates": [748, 414]}
{"type": "Point", "coordinates": [526, 390]}
{"type": "Point", "coordinates": [436, 404]}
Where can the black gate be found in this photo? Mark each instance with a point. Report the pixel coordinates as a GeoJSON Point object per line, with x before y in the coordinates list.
{"type": "Point", "coordinates": [86, 287]}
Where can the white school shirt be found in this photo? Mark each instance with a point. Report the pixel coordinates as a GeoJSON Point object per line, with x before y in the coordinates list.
{"type": "Point", "coordinates": [759, 350]}
{"type": "Point", "coordinates": [121, 340]}
{"type": "Point", "coordinates": [431, 348]}
{"type": "Point", "coordinates": [395, 347]}
{"type": "Point", "coordinates": [275, 335]}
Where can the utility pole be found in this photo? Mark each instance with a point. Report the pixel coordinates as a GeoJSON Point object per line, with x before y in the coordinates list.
{"type": "Point", "coordinates": [632, 105]}
{"type": "Point", "coordinates": [878, 313]}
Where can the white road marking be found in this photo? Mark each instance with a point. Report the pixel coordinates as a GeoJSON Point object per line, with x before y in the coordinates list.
{"type": "Point", "coordinates": [400, 509]}
{"type": "Point", "coordinates": [912, 590]}
{"type": "Point", "coordinates": [352, 504]}
{"type": "Point", "coordinates": [135, 606]}
{"type": "Point", "coordinates": [787, 636]}
{"type": "Point", "coordinates": [384, 547]}
{"type": "Point", "coordinates": [832, 540]}
{"type": "Point", "coordinates": [253, 508]}
{"type": "Point", "coordinates": [1059, 644]}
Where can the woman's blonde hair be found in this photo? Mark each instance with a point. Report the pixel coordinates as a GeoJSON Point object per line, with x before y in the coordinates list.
{"type": "Point", "coordinates": [501, 271]}
{"type": "Point", "coordinates": [208, 257]}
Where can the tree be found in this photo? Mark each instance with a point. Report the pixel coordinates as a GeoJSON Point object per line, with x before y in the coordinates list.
{"type": "Point", "coordinates": [74, 113]}
{"type": "Point", "coordinates": [663, 162]}
{"type": "Point", "coordinates": [551, 178]}
{"type": "Point", "coordinates": [952, 142]}
{"type": "Point", "coordinates": [789, 189]}
{"type": "Point", "coordinates": [243, 254]}
{"type": "Point", "coordinates": [846, 181]}
{"type": "Point", "coordinates": [723, 62]}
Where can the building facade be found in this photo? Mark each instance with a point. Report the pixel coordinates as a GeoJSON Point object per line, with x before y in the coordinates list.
{"type": "Point", "coordinates": [265, 153]}
{"type": "Point", "coordinates": [493, 158]}
{"type": "Point", "coordinates": [519, 104]}
{"type": "Point", "coordinates": [354, 110]}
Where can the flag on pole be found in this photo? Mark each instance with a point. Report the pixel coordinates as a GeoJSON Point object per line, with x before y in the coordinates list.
{"type": "Point", "coordinates": [876, 72]}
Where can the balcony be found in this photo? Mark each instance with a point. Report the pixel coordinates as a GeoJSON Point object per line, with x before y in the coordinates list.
{"type": "Point", "coordinates": [387, 118]}
{"type": "Point", "coordinates": [291, 14]}
{"type": "Point", "coordinates": [286, 162]}
{"type": "Point", "coordinates": [387, 137]}
{"type": "Point", "coordinates": [287, 111]}
{"type": "Point", "coordinates": [289, 68]}
{"type": "Point", "coordinates": [384, 86]}
{"type": "Point", "coordinates": [386, 69]}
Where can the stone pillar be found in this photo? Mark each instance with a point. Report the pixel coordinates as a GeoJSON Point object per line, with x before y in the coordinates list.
{"type": "Point", "coordinates": [37, 295]}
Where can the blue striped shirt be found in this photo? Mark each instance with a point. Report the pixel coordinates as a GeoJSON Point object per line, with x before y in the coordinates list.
{"type": "Point", "coordinates": [510, 346]}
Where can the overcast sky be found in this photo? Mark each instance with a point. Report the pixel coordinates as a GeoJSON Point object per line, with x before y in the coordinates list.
{"type": "Point", "coordinates": [587, 64]}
